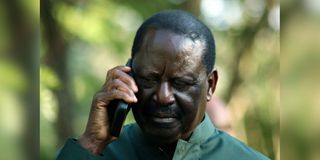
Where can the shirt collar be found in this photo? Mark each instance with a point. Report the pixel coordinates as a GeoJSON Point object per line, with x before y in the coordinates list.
{"type": "Point", "coordinates": [203, 131]}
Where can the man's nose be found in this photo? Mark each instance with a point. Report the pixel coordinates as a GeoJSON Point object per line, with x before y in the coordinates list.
{"type": "Point", "coordinates": [164, 95]}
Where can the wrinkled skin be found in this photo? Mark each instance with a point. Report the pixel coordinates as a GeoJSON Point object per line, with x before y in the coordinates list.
{"type": "Point", "coordinates": [118, 85]}
{"type": "Point", "coordinates": [173, 86]}
{"type": "Point", "coordinates": [168, 92]}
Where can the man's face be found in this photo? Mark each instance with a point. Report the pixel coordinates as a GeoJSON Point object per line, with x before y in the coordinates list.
{"type": "Point", "coordinates": [172, 84]}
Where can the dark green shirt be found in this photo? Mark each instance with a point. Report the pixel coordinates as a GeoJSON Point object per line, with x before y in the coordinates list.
{"type": "Point", "coordinates": [206, 142]}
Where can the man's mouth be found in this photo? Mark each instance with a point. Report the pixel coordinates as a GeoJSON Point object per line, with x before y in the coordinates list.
{"type": "Point", "coordinates": [163, 119]}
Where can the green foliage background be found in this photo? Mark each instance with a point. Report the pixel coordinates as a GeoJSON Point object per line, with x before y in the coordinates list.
{"type": "Point", "coordinates": [77, 41]}
{"type": "Point", "coordinates": [71, 44]}
{"type": "Point", "coordinates": [97, 35]}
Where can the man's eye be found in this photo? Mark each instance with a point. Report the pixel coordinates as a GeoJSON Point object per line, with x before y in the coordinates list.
{"type": "Point", "coordinates": [147, 82]}
{"type": "Point", "coordinates": [182, 84]}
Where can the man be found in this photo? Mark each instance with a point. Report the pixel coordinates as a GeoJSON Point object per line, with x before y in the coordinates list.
{"type": "Point", "coordinates": [173, 77]}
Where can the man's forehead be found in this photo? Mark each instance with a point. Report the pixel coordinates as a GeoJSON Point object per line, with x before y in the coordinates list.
{"type": "Point", "coordinates": [171, 43]}
{"type": "Point", "coordinates": [162, 46]}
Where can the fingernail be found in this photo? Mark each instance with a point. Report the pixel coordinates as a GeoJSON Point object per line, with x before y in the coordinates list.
{"type": "Point", "coordinates": [135, 99]}
{"type": "Point", "coordinates": [135, 89]}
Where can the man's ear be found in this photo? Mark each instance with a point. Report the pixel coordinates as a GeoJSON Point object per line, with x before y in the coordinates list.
{"type": "Point", "coordinates": [212, 82]}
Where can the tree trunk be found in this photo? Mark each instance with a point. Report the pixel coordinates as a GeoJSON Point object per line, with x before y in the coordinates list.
{"type": "Point", "coordinates": [192, 6]}
{"type": "Point", "coordinates": [24, 51]}
{"type": "Point", "coordinates": [56, 59]}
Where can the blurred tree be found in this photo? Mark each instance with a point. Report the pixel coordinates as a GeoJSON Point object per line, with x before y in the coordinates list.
{"type": "Point", "coordinates": [24, 51]}
{"type": "Point", "coordinates": [98, 33]}
{"type": "Point", "coordinates": [242, 42]}
{"type": "Point", "coordinates": [56, 55]}
{"type": "Point", "coordinates": [299, 89]}
{"type": "Point", "coordinates": [287, 9]}
{"type": "Point", "coordinates": [56, 58]}
{"type": "Point", "coordinates": [145, 7]}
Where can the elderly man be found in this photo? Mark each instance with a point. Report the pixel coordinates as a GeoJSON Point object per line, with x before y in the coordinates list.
{"type": "Point", "coordinates": [172, 77]}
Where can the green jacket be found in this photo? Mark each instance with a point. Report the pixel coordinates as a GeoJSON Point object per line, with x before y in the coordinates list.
{"type": "Point", "coordinates": [206, 142]}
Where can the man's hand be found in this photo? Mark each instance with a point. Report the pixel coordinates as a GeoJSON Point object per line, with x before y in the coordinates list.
{"type": "Point", "coordinates": [118, 85]}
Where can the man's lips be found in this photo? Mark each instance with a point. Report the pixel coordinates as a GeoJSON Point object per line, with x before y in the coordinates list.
{"type": "Point", "coordinates": [163, 120]}
{"type": "Point", "coordinates": [162, 115]}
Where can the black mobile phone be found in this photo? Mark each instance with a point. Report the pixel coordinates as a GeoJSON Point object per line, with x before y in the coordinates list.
{"type": "Point", "coordinates": [120, 113]}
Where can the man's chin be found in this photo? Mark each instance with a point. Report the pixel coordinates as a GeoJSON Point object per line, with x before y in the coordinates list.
{"type": "Point", "coordinates": [161, 130]}
{"type": "Point", "coordinates": [162, 135]}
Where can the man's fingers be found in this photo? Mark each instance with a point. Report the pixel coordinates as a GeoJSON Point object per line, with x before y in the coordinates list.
{"type": "Point", "coordinates": [121, 86]}
{"type": "Point", "coordinates": [121, 72]}
{"type": "Point", "coordinates": [127, 79]}
{"type": "Point", "coordinates": [103, 98]}
{"type": "Point", "coordinates": [110, 72]}
{"type": "Point", "coordinates": [117, 94]}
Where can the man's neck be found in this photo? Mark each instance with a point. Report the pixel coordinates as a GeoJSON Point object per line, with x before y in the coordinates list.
{"type": "Point", "coordinates": [169, 149]}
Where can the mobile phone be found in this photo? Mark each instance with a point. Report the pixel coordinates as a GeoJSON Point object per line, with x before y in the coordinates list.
{"type": "Point", "coordinates": [120, 113]}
